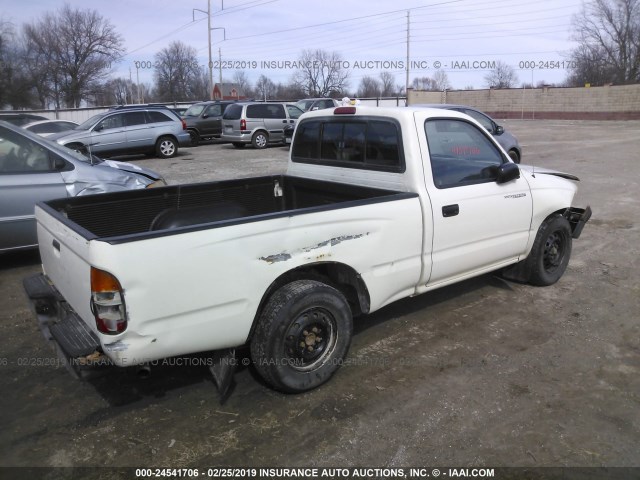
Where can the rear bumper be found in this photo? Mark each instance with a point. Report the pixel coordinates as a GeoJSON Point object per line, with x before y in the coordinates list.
{"type": "Point", "coordinates": [236, 137]}
{"type": "Point", "coordinates": [77, 345]}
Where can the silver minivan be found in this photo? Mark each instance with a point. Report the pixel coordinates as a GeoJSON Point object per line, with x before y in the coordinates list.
{"type": "Point", "coordinates": [33, 169]}
{"type": "Point", "coordinates": [258, 123]}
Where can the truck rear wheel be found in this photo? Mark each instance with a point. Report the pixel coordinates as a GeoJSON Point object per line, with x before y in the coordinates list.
{"type": "Point", "coordinates": [302, 336]}
{"type": "Point", "coordinates": [550, 253]}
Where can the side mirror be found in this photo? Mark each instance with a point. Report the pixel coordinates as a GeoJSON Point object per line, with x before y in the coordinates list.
{"type": "Point", "coordinates": [314, 109]}
{"type": "Point", "coordinates": [205, 116]}
{"type": "Point", "coordinates": [499, 130]}
{"type": "Point", "coordinates": [98, 128]}
{"type": "Point", "coordinates": [507, 172]}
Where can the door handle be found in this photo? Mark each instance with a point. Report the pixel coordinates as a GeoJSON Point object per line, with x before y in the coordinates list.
{"type": "Point", "coordinates": [450, 210]}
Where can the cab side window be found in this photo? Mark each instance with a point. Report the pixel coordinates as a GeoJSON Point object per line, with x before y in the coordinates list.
{"type": "Point", "coordinates": [460, 153]}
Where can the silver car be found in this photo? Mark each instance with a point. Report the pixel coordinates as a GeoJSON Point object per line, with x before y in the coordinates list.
{"type": "Point", "coordinates": [129, 130]}
{"type": "Point", "coordinates": [33, 169]}
{"type": "Point", "coordinates": [507, 140]}
{"type": "Point", "coordinates": [258, 123]}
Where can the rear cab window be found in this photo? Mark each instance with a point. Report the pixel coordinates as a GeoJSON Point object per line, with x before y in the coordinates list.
{"type": "Point", "coordinates": [362, 142]}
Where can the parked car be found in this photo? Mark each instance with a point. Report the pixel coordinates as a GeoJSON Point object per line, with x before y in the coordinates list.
{"type": "Point", "coordinates": [180, 111]}
{"type": "Point", "coordinates": [129, 130]}
{"type": "Point", "coordinates": [312, 104]}
{"type": "Point", "coordinates": [258, 123]}
{"type": "Point", "coordinates": [46, 128]}
{"type": "Point", "coordinates": [507, 140]}
{"type": "Point", "coordinates": [34, 169]}
{"type": "Point", "coordinates": [20, 119]}
{"type": "Point", "coordinates": [204, 120]}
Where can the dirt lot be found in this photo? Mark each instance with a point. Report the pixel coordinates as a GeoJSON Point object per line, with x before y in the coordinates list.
{"type": "Point", "coordinates": [483, 373]}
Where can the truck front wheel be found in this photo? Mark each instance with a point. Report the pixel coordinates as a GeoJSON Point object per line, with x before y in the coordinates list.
{"type": "Point", "coordinates": [551, 251]}
{"type": "Point", "coordinates": [302, 336]}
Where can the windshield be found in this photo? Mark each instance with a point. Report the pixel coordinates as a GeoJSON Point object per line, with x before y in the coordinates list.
{"type": "Point", "coordinates": [194, 111]}
{"type": "Point", "coordinates": [89, 123]}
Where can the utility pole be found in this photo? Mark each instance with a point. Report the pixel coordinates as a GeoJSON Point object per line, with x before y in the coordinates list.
{"type": "Point", "coordinates": [406, 85]}
{"type": "Point", "coordinates": [208, 13]}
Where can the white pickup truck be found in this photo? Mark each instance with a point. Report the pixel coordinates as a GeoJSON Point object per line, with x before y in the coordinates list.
{"type": "Point", "coordinates": [377, 204]}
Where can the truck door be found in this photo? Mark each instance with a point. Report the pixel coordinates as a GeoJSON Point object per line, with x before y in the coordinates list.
{"type": "Point", "coordinates": [478, 223]}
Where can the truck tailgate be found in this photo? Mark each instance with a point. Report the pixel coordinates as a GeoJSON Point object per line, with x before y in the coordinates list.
{"type": "Point", "coordinates": [65, 255]}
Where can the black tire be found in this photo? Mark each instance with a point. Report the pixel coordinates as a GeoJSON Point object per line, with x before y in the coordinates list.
{"type": "Point", "coordinates": [260, 139]}
{"type": "Point", "coordinates": [166, 147]}
{"type": "Point", "coordinates": [302, 336]}
{"type": "Point", "coordinates": [239, 145]}
{"type": "Point", "coordinates": [195, 138]}
{"type": "Point", "coordinates": [513, 154]}
{"type": "Point", "coordinates": [551, 251]}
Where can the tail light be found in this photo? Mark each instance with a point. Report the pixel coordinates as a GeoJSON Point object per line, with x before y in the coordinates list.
{"type": "Point", "coordinates": [184, 124]}
{"type": "Point", "coordinates": [107, 303]}
{"type": "Point", "coordinates": [243, 124]}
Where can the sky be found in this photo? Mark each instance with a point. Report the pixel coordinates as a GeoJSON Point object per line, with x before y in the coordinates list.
{"type": "Point", "coordinates": [465, 38]}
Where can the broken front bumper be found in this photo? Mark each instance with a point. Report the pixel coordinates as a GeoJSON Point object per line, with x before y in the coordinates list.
{"type": "Point", "coordinates": [578, 217]}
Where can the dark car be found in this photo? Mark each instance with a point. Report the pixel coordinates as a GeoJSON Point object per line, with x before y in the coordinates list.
{"type": "Point", "coordinates": [507, 140]}
{"type": "Point", "coordinates": [20, 119]}
{"type": "Point", "coordinates": [204, 120]}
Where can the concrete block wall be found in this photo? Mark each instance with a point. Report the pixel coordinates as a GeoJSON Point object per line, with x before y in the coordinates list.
{"type": "Point", "coordinates": [616, 102]}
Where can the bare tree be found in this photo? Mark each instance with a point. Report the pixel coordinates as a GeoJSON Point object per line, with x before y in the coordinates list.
{"type": "Point", "coordinates": [369, 87]}
{"type": "Point", "coordinates": [608, 32]}
{"type": "Point", "coordinates": [177, 72]}
{"type": "Point", "coordinates": [321, 74]}
{"type": "Point", "coordinates": [424, 83]}
{"type": "Point", "coordinates": [387, 84]}
{"type": "Point", "coordinates": [78, 48]}
{"type": "Point", "coordinates": [241, 79]}
{"type": "Point", "coordinates": [441, 80]}
{"type": "Point", "coordinates": [265, 88]}
{"type": "Point", "coordinates": [502, 76]}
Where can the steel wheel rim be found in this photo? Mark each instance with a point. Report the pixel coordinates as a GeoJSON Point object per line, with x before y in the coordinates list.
{"type": "Point", "coordinates": [310, 339]}
{"type": "Point", "coordinates": [554, 251]}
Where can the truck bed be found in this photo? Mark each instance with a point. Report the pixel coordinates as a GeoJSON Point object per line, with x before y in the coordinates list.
{"type": "Point", "coordinates": [139, 214]}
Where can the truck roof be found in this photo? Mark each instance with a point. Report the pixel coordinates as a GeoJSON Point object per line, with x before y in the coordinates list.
{"type": "Point", "coordinates": [393, 112]}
